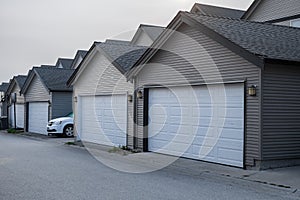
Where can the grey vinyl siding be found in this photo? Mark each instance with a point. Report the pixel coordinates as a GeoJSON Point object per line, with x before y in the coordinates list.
{"type": "Point", "coordinates": [275, 9]}
{"type": "Point", "coordinates": [139, 123]}
{"type": "Point", "coordinates": [61, 104]}
{"type": "Point", "coordinates": [37, 91]}
{"type": "Point", "coordinates": [281, 113]}
{"type": "Point", "coordinates": [231, 67]}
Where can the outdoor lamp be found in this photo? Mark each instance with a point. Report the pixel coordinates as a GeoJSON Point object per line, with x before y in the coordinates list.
{"type": "Point", "coordinates": [130, 97]}
{"type": "Point", "coordinates": [139, 94]}
{"type": "Point", "coordinates": [252, 90]}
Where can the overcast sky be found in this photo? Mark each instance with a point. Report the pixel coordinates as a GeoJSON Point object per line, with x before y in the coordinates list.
{"type": "Point", "coordinates": [37, 32]}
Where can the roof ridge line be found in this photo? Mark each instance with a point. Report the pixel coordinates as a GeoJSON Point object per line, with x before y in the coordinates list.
{"type": "Point", "coordinates": [243, 20]}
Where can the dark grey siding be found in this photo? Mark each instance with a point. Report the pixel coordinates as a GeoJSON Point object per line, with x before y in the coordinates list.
{"type": "Point", "coordinates": [61, 104]}
{"type": "Point", "coordinates": [281, 113]}
{"type": "Point", "coordinates": [139, 123]}
{"type": "Point", "coordinates": [176, 70]}
{"type": "Point", "coordinates": [275, 9]}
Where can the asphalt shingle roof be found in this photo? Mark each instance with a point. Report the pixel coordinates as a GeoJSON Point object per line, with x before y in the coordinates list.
{"type": "Point", "coordinates": [125, 55]}
{"type": "Point", "coordinates": [262, 39]}
{"type": "Point", "coordinates": [109, 41]}
{"type": "Point", "coordinates": [55, 79]}
{"type": "Point", "coordinates": [220, 11]}
{"type": "Point", "coordinates": [4, 87]}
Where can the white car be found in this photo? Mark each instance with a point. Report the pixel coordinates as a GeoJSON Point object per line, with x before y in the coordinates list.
{"type": "Point", "coordinates": [62, 126]}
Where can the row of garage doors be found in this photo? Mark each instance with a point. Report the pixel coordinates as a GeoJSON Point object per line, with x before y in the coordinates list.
{"type": "Point", "coordinates": [37, 116]}
{"type": "Point", "coordinates": [203, 122]}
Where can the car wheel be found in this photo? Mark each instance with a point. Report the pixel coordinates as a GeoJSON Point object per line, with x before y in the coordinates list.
{"type": "Point", "coordinates": [68, 131]}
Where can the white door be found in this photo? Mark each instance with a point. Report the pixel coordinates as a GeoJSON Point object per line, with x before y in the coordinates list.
{"type": "Point", "coordinates": [103, 119]}
{"type": "Point", "coordinates": [204, 123]}
{"type": "Point", "coordinates": [38, 117]}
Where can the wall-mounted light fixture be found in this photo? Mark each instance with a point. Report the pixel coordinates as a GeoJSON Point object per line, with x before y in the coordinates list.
{"type": "Point", "coordinates": [139, 94]}
{"type": "Point", "coordinates": [130, 97]}
{"type": "Point", "coordinates": [252, 90]}
{"type": "Point", "coordinates": [75, 99]}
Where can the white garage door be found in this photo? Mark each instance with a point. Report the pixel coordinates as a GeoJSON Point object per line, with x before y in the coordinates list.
{"type": "Point", "coordinates": [204, 123]}
{"type": "Point", "coordinates": [38, 117]}
{"type": "Point", "coordinates": [19, 116]}
{"type": "Point", "coordinates": [103, 119]}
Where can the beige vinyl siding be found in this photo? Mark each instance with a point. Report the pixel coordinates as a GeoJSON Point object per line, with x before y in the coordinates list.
{"type": "Point", "coordinates": [36, 91]}
{"type": "Point", "coordinates": [100, 77]}
{"type": "Point", "coordinates": [175, 70]}
{"type": "Point", "coordinates": [281, 113]}
{"type": "Point", "coordinates": [275, 9]}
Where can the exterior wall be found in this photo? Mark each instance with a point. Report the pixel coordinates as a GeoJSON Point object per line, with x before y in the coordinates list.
{"type": "Point", "coordinates": [275, 9]}
{"type": "Point", "coordinates": [143, 40]}
{"type": "Point", "coordinates": [231, 67]}
{"type": "Point", "coordinates": [35, 93]}
{"type": "Point", "coordinates": [61, 104]}
{"type": "Point", "coordinates": [20, 101]}
{"type": "Point", "coordinates": [101, 78]}
{"type": "Point", "coordinates": [281, 113]}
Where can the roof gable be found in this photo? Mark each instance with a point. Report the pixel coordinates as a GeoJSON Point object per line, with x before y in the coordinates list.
{"type": "Point", "coordinates": [53, 79]}
{"type": "Point", "coordinates": [16, 81]}
{"type": "Point", "coordinates": [121, 54]}
{"type": "Point", "coordinates": [254, 41]}
{"type": "Point", "coordinates": [261, 39]}
{"type": "Point", "coordinates": [217, 11]}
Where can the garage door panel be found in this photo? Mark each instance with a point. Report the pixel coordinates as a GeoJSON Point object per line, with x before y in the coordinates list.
{"type": "Point", "coordinates": [104, 119]}
{"type": "Point", "coordinates": [217, 122]}
{"type": "Point", "coordinates": [38, 117]}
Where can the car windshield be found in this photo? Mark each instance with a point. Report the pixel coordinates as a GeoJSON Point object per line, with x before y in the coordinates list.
{"type": "Point", "coordinates": [70, 115]}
